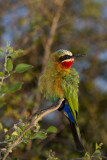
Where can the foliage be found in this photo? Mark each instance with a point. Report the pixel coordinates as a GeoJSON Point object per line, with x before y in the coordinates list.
{"type": "Point", "coordinates": [96, 155]}
{"type": "Point", "coordinates": [8, 70]}
{"type": "Point", "coordinates": [52, 156]}
{"type": "Point", "coordinates": [20, 127]}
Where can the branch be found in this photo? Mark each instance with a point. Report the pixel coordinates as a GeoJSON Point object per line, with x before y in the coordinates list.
{"type": "Point", "coordinates": [27, 120]}
{"type": "Point", "coordinates": [32, 124]}
{"type": "Point", "coordinates": [52, 33]}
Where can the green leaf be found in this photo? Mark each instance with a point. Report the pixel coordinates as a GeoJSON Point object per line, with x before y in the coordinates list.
{"type": "Point", "coordinates": [1, 50]}
{"type": "Point", "coordinates": [20, 68]}
{"type": "Point", "coordinates": [52, 129]}
{"type": "Point", "coordinates": [2, 74]}
{"type": "Point", "coordinates": [1, 126]}
{"type": "Point", "coordinates": [3, 89]}
{"type": "Point", "coordinates": [97, 152]}
{"type": "Point", "coordinates": [96, 146]}
{"type": "Point", "coordinates": [28, 133]}
{"type": "Point", "coordinates": [14, 87]}
{"type": "Point", "coordinates": [39, 135]}
{"type": "Point", "coordinates": [86, 156]}
{"type": "Point", "coordinates": [9, 65]}
{"type": "Point", "coordinates": [101, 144]}
{"type": "Point", "coordinates": [16, 53]}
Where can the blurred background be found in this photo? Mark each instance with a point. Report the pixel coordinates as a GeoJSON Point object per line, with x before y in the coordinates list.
{"type": "Point", "coordinates": [39, 28]}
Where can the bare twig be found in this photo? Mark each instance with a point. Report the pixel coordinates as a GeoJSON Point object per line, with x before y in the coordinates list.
{"type": "Point", "coordinates": [31, 126]}
{"type": "Point", "coordinates": [52, 33]}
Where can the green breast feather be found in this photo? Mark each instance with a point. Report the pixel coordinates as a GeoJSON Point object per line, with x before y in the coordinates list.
{"type": "Point", "coordinates": [70, 88]}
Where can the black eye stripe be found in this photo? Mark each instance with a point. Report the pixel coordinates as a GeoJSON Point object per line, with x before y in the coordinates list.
{"type": "Point", "coordinates": [62, 58]}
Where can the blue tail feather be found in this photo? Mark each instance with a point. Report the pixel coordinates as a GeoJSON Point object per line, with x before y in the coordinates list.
{"type": "Point", "coordinates": [67, 111]}
{"type": "Point", "coordinates": [65, 106]}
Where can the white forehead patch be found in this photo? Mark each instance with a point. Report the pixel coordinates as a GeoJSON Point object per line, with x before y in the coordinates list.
{"type": "Point", "coordinates": [68, 53]}
{"type": "Point", "coordinates": [65, 52]}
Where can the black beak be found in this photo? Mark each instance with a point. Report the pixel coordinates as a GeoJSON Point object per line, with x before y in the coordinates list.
{"type": "Point", "coordinates": [78, 55]}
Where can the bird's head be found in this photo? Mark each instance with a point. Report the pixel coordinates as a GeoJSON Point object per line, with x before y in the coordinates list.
{"type": "Point", "coordinates": [64, 58]}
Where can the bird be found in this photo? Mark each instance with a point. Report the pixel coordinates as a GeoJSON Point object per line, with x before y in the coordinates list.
{"type": "Point", "coordinates": [59, 80]}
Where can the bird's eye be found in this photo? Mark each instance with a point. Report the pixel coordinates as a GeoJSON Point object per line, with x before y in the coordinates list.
{"type": "Point", "coordinates": [62, 58]}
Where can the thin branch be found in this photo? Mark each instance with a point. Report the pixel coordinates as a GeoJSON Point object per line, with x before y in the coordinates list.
{"type": "Point", "coordinates": [31, 126]}
{"type": "Point", "coordinates": [52, 33]}
{"type": "Point", "coordinates": [27, 120]}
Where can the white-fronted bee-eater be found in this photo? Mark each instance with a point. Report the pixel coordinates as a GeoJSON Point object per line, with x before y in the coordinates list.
{"type": "Point", "coordinates": [60, 80]}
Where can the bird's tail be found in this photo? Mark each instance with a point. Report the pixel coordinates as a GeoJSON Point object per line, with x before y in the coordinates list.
{"type": "Point", "coordinates": [74, 126]}
{"type": "Point", "coordinates": [76, 136]}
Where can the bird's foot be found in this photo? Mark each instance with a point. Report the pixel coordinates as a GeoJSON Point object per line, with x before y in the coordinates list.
{"type": "Point", "coordinates": [62, 106]}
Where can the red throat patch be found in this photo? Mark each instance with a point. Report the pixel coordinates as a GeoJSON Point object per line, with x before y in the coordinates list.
{"type": "Point", "coordinates": [67, 64]}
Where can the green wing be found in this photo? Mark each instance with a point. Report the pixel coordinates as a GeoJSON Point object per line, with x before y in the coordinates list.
{"type": "Point", "coordinates": [70, 88]}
